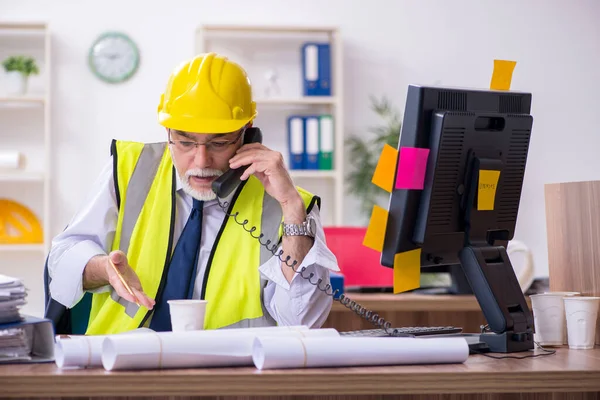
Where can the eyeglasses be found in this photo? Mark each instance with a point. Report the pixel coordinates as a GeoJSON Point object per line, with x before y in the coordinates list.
{"type": "Point", "coordinates": [213, 146]}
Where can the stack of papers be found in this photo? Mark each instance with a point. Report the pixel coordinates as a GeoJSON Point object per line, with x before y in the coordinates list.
{"type": "Point", "coordinates": [12, 298]}
{"type": "Point", "coordinates": [14, 345]}
{"type": "Point", "coordinates": [14, 342]}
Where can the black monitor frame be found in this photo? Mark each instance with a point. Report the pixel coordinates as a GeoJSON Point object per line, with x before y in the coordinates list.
{"type": "Point", "coordinates": [467, 130]}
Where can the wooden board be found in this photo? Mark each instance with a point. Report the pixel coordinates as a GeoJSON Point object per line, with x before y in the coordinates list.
{"type": "Point", "coordinates": [573, 230]}
{"type": "Point", "coordinates": [567, 371]}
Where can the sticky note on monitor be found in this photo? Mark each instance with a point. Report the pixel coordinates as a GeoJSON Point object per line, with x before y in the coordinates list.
{"type": "Point", "coordinates": [502, 75]}
{"type": "Point", "coordinates": [407, 270]}
{"type": "Point", "coordinates": [385, 169]}
{"type": "Point", "coordinates": [486, 189]}
{"type": "Point", "coordinates": [375, 235]}
{"type": "Point", "coordinates": [412, 165]}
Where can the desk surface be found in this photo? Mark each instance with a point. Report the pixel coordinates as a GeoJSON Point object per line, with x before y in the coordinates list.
{"type": "Point", "coordinates": [565, 371]}
{"type": "Point", "coordinates": [411, 302]}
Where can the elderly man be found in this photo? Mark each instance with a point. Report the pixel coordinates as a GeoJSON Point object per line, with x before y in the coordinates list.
{"type": "Point", "coordinates": [155, 219]}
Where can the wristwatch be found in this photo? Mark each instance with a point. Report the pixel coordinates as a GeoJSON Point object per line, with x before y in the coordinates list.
{"type": "Point", "coordinates": [307, 228]}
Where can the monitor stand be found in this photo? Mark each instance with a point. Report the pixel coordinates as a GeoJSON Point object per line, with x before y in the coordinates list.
{"type": "Point", "coordinates": [497, 289]}
{"type": "Point", "coordinates": [490, 274]}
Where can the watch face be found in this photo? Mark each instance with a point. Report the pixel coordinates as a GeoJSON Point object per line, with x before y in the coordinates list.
{"type": "Point", "coordinates": [114, 57]}
{"type": "Point", "coordinates": [312, 226]}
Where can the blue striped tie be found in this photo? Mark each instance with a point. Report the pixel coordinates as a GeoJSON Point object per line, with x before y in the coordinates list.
{"type": "Point", "coordinates": [182, 269]}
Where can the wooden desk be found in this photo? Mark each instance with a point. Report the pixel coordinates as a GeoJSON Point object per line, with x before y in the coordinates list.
{"type": "Point", "coordinates": [568, 374]}
{"type": "Point", "coordinates": [410, 310]}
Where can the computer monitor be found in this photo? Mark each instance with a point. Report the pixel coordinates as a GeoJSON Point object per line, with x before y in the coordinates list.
{"type": "Point", "coordinates": [467, 131]}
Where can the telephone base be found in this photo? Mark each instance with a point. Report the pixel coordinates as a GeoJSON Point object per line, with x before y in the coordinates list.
{"type": "Point", "coordinates": [508, 342]}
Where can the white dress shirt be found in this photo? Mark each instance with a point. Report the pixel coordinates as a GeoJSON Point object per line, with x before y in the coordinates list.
{"type": "Point", "coordinates": [92, 229]}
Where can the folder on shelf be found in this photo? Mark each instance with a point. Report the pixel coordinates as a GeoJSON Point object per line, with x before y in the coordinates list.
{"type": "Point", "coordinates": [30, 340]}
{"type": "Point", "coordinates": [311, 128]}
{"type": "Point", "coordinates": [336, 280]}
{"type": "Point", "coordinates": [296, 141]}
{"type": "Point", "coordinates": [316, 69]}
{"type": "Point", "coordinates": [326, 142]}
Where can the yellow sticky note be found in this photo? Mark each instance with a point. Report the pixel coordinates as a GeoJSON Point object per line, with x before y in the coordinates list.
{"type": "Point", "coordinates": [502, 76]}
{"type": "Point", "coordinates": [386, 168]}
{"type": "Point", "coordinates": [407, 270]}
{"type": "Point", "coordinates": [376, 230]}
{"type": "Point", "coordinates": [486, 190]}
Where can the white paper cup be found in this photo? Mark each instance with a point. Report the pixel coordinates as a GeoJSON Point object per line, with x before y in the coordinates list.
{"type": "Point", "coordinates": [566, 294]}
{"type": "Point", "coordinates": [549, 318]}
{"type": "Point", "coordinates": [581, 314]}
{"type": "Point", "coordinates": [187, 315]}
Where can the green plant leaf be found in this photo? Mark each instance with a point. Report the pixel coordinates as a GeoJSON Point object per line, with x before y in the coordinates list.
{"type": "Point", "coordinates": [23, 64]}
{"type": "Point", "coordinates": [365, 153]}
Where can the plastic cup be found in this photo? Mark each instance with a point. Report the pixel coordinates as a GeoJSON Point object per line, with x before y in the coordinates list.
{"type": "Point", "coordinates": [581, 313]}
{"type": "Point", "coordinates": [187, 315]}
{"type": "Point", "coordinates": [549, 318]}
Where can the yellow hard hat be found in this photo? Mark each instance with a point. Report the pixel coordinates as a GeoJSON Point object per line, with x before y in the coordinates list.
{"type": "Point", "coordinates": [18, 224]}
{"type": "Point", "coordinates": [207, 94]}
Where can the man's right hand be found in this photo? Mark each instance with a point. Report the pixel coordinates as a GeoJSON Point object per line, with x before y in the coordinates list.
{"type": "Point", "coordinates": [99, 272]}
{"type": "Point", "coordinates": [119, 260]}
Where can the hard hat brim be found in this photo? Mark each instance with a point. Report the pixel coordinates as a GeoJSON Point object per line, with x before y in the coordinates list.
{"type": "Point", "coordinates": [202, 126]}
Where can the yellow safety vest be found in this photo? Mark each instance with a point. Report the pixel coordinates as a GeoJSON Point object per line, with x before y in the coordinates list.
{"type": "Point", "coordinates": [145, 187]}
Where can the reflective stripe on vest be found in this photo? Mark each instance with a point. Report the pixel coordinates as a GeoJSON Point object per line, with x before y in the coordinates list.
{"type": "Point", "coordinates": [148, 241]}
{"type": "Point", "coordinates": [232, 284]}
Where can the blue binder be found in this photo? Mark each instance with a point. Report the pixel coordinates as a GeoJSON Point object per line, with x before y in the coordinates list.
{"type": "Point", "coordinates": [316, 69]}
{"type": "Point", "coordinates": [311, 132]}
{"type": "Point", "coordinates": [336, 280]}
{"type": "Point", "coordinates": [40, 334]}
{"type": "Point", "coordinates": [296, 141]}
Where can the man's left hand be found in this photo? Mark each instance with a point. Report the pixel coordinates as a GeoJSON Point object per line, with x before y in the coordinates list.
{"type": "Point", "coordinates": [269, 167]}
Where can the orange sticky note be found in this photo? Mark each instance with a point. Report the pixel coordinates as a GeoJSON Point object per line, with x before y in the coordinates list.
{"type": "Point", "coordinates": [502, 75]}
{"type": "Point", "coordinates": [386, 168]}
{"type": "Point", "coordinates": [407, 270]}
{"type": "Point", "coordinates": [486, 190]}
{"type": "Point", "coordinates": [376, 230]}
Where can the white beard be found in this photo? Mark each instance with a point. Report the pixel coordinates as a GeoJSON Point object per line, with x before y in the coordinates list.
{"type": "Point", "coordinates": [206, 172]}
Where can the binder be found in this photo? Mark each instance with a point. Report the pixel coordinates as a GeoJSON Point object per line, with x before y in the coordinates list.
{"type": "Point", "coordinates": [326, 142]}
{"type": "Point", "coordinates": [316, 69]}
{"type": "Point", "coordinates": [296, 141]}
{"type": "Point", "coordinates": [311, 128]}
{"type": "Point", "coordinates": [39, 333]}
{"type": "Point", "coordinates": [336, 280]}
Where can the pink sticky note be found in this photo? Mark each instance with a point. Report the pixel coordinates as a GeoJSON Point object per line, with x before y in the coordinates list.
{"type": "Point", "coordinates": [411, 168]}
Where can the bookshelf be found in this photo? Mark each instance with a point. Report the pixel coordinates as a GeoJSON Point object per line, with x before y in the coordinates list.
{"type": "Point", "coordinates": [264, 49]}
{"type": "Point", "coordinates": [25, 127]}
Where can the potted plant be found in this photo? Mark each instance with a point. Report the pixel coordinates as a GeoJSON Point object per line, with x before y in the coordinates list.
{"type": "Point", "coordinates": [365, 151]}
{"type": "Point", "coordinates": [18, 70]}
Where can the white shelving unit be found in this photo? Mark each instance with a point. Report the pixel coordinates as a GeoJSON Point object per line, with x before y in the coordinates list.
{"type": "Point", "coordinates": [278, 48]}
{"type": "Point", "coordinates": [25, 127]}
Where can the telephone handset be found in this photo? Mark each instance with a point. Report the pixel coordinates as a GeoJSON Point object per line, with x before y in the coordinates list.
{"type": "Point", "coordinates": [224, 184]}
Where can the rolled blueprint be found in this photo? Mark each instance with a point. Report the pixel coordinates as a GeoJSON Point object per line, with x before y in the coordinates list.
{"type": "Point", "coordinates": [299, 352]}
{"type": "Point", "coordinates": [221, 348]}
{"type": "Point", "coordinates": [83, 351]}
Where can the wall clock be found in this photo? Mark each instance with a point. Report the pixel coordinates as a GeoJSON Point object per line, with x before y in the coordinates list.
{"type": "Point", "coordinates": [114, 57]}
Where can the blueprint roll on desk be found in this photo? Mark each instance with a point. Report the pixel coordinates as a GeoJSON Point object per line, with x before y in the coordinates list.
{"type": "Point", "coordinates": [569, 374]}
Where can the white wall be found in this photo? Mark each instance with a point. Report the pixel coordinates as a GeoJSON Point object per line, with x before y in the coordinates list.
{"type": "Point", "coordinates": [388, 44]}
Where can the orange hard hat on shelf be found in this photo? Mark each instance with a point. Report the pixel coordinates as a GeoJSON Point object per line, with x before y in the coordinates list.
{"type": "Point", "coordinates": [207, 94]}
